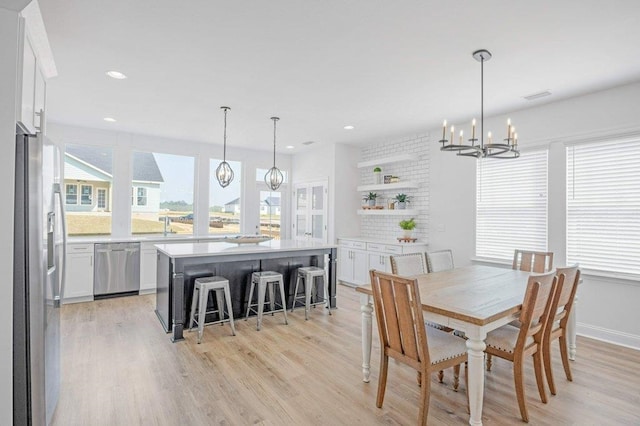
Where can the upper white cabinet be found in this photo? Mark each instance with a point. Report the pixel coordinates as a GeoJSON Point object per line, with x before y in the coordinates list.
{"type": "Point", "coordinates": [26, 116]}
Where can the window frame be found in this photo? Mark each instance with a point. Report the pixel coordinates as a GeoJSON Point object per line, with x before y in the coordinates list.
{"type": "Point", "coordinates": [102, 205]}
{"type": "Point", "coordinates": [82, 186]}
{"type": "Point", "coordinates": [66, 194]}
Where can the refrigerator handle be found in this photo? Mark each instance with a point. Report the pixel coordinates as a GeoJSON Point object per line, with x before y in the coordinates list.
{"type": "Point", "coordinates": [63, 267]}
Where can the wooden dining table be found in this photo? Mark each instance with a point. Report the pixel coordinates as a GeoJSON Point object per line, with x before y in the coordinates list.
{"type": "Point", "coordinates": [474, 299]}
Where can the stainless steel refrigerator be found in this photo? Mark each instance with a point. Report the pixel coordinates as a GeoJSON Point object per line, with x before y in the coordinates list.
{"type": "Point", "coordinates": [38, 279]}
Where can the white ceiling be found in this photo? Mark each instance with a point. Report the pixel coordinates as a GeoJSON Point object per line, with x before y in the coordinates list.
{"type": "Point", "coordinates": [389, 68]}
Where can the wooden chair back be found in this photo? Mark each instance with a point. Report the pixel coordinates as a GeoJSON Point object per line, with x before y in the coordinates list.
{"type": "Point", "coordinates": [533, 261]}
{"type": "Point", "coordinates": [409, 264]}
{"type": "Point", "coordinates": [441, 260]}
{"type": "Point", "coordinates": [399, 315]}
{"type": "Point", "coordinates": [535, 308]}
{"type": "Point", "coordinates": [565, 294]}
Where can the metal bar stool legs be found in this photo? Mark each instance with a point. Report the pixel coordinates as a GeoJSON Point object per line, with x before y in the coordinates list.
{"type": "Point", "coordinates": [308, 274]}
{"type": "Point", "coordinates": [265, 281]}
{"type": "Point", "coordinates": [202, 287]}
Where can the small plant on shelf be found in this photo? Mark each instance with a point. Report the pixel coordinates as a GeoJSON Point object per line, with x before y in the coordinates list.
{"type": "Point", "coordinates": [377, 172]}
{"type": "Point", "coordinates": [408, 226]}
{"type": "Point", "coordinates": [371, 198]}
{"type": "Point", "coordinates": [402, 200]}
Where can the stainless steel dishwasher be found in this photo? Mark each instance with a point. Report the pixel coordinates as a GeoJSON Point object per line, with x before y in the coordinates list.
{"type": "Point", "coordinates": [117, 269]}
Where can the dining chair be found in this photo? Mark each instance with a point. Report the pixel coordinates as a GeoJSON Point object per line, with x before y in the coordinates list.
{"type": "Point", "coordinates": [558, 318]}
{"type": "Point", "coordinates": [441, 260]}
{"type": "Point", "coordinates": [404, 337]}
{"type": "Point", "coordinates": [409, 264]}
{"type": "Point", "coordinates": [514, 344]}
{"type": "Point", "coordinates": [533, 261]}
{"type": "Point", "coordinates": [415, 264]}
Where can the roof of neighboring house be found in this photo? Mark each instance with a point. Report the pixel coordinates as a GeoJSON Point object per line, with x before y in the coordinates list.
{"type": "Point", "coordinates": [233, 202]}
{"type": "Point", "coordinates": [272, 201]}
{"type": "Point", "coordinates": [145, 167]}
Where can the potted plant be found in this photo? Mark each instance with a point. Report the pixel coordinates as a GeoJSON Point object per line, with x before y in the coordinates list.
{"type": "Point", "coordinates": [371, 198]}
{"type": "Point", "coordinates": [402, 200]}
{"type": "Point", "coordinates": [408, 227]}
{"type": "Point", "coordinates": [377, 172]}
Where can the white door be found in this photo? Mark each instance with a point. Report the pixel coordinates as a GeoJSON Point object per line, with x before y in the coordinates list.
{"type": "Point", "coordinates": [310, 211]}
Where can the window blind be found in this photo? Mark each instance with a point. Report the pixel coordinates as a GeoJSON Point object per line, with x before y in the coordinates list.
{"type": "Point", "coordinates": [603, 206]}
{"type": "Point", "coordinates": [511, 205]}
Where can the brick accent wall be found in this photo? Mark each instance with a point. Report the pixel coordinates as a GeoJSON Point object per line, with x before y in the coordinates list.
{"type": "Point", "coordinates": [417, 169]}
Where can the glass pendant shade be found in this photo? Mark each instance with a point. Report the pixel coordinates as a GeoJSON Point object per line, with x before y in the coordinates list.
{"type": "Point", "coordinates": [224, 173]}
{"type": "Point", "coordinates": [274, 178]}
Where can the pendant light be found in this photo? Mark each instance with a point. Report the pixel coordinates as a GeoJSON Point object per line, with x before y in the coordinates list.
{"type": "Point", "coordinates": [274, 177]}
{"type": "Point", "coordinates": [224, 174]}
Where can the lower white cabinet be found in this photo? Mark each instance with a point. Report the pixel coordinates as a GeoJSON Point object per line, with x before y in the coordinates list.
{"type": "Point", "coordinates": [148, 268]}
{"type": "Point", "coordinates": [357, 256]}
{"type": "Point", "coordinates": [79, 274]}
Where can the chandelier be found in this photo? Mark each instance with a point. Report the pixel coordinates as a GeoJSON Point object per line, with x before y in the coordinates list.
{"type": "Point", "coordinates": [274, 177]}
{"type": "Point", "coordinates": [507, 148]}
{"type": "Point", "coordinates": [224, 173]}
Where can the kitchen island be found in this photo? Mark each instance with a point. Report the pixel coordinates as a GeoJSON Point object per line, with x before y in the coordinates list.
{"type": "Point", "coordinates": [180, 264]}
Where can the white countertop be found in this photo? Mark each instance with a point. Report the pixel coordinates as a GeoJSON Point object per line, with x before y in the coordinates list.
{"type": "Point", "coordinates": [380, 241]}
{"type": "Point", "coordinates": [147, 239]}
{"type": "Point", "coordinates": [222, 248]}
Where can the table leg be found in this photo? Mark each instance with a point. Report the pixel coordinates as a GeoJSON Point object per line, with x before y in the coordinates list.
{"type": "Point", "coordinates": [366, 308]}
{"type": "Point", "coordinates": [475, 351]}
{"type": "Point", "coordinates": [571, 330]}
{"type": "Point", "coordinates": [177, 308]}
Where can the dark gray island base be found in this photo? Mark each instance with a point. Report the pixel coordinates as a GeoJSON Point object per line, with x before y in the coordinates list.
{"type": "Point", "coordinates": [180, 264]}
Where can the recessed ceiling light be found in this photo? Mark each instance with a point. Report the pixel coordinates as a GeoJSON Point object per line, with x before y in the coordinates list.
{"type": "Point", "coordinates": [289, 146]}
{"type": "Point", "coordinates": [110, 120]}
{"type": "Point", "coordinates": [349, 127]}
{"type": "Point", "coordinates": [116, 74]}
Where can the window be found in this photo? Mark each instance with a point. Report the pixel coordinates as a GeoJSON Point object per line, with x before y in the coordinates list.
{"type": "Point", "coordinates": [224, 203]}
{"type": "Point", "coordinates": [142, 197]}
{"type": "Point", "coordinates": [71, 194]}
{"type": "Point", "coordinates": [511, 205]}
{"type": "Point", "coordinates": [162, 193]}
{"type": "Point", "coordinates": [102, 198]}
{"type": "Point", "coordinates": [88, 169]}
{"type": "Point", "coordinates": [603, 206]}
{"type": "Point", "coordinates": [270, 213]}
{"type": "Point", "coordinates": [86, 195]}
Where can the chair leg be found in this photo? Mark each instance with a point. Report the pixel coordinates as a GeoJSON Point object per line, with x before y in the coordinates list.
{"type": "Point", "coordinates": [194, 305]}
{"type": "Point", "coordinates": [548, 368]}
{"type": "Point", "coordinates": [252, 286]}
{"type": "Point", "coordinates": [440, 376]}
{"type": "Point", "coordinates": [227, 296]}
{"type": "Point", "coordinates": [308, 285]}
{"type": "Point", "coordinates": [456, 377]}
{"type": "Point", "coordinates": [488, 362]}
{"type": "Point", "coordinates": [283, 300]}
{"type": "Point", "coordinates": [262, 287]}
{"type": "Point", "coordinates": [466, 385]}
{"type": "Point", "coordinates": [295, 292]}
{"type": "Point", "coordinates": [220, 303]}
{"type": "Point", "coordinates": [419, 378]}
{"type": "Point", "coordinates": [564, 352]}
{"type": "Point", "coordinates": [382, 379]}
{"type": "Point", "coordinates": [518, 375]}
{"type": "Point", "coordinates": [425, 393]}
{"type": "Point", "coordinates": [202, 312]}
{"type": "Point", "coordinates": [538, 367]}
{"type": "Point", "coordinates": [326, 292]}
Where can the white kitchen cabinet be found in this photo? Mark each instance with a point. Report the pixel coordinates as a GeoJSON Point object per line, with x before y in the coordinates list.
{"type": "Point", "coordinates": [353, 264]}
{"type": "Point", "coordinates": [29, 67]}
{"type": "Point", "coordinates": [356, 256]}
{"type": "Point", "coordinates": [79, 275]}
{"type": "Point", "coordinates": [148, 268]}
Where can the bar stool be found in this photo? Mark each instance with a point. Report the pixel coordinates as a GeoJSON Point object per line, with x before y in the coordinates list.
{"type": "Point", "coordinates": [266, 280]}
{"type": "Point", "coordinates": [308, 274]}
{"type": "Point", "coordinates": [203, 286]}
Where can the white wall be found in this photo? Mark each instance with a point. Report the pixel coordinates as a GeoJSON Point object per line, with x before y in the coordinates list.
{"type": "Point", "coordinates": [124, 144]}
{"type": "Point", "coordinates": [607, 307]}
{"type": "Point", "coordinates": [8, 82]}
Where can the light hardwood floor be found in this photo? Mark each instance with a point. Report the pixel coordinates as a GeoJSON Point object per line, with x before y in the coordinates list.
{"type": "Point", "coordinates": [119, 368]}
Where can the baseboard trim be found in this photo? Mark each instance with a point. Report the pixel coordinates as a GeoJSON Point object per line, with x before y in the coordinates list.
{"type": "Point", "coordinates": [147, 291]}
{"type": "Point", "coordinates": [610, 336]}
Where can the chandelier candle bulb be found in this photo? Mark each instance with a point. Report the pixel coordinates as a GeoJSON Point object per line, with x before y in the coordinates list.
{"type": "Point", "coordinates": [461, 133]}
{"type": "Point", "coordinates": [489, 136]}
{"type": "Point", "coordinates": [453, 129]}
{"type": "Point", "coordinates": [444, 129]}
{"type": "Point", "coordinates": [473, 129]}
{"type": "Point", "coordinates": [508, 127]}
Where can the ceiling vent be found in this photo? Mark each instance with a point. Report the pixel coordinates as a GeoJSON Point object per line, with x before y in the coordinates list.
{"type": "Point", "coordinates": [537, 95]}
{"type": "Point", "coordinates": [308, 143]}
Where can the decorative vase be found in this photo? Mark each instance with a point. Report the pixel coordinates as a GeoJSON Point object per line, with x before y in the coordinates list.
{"type": "Point", "coordinates": [408, 233]}
{"type": "Point", "coordinates": [378, 177]}
{"type": "Point", "coordinates": [402, 205]}
{"type": "Point", "coordinates": [372, 203]}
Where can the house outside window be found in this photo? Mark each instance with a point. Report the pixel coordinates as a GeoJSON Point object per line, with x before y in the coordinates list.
{"type": "Point", "coordinates": [141, 196]}
{"type": "Point", "coordinates": [71, 194]}
{"type": "Point", "coordinates": [102, 198]}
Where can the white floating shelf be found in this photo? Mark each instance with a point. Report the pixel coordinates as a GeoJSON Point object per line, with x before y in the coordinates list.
{"type": "Point", "coordinates": [387, 212]}
{"type": "Point", "coordinates": [386, 160]}
{"type": "Point", "coordinates": [409, 184]}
